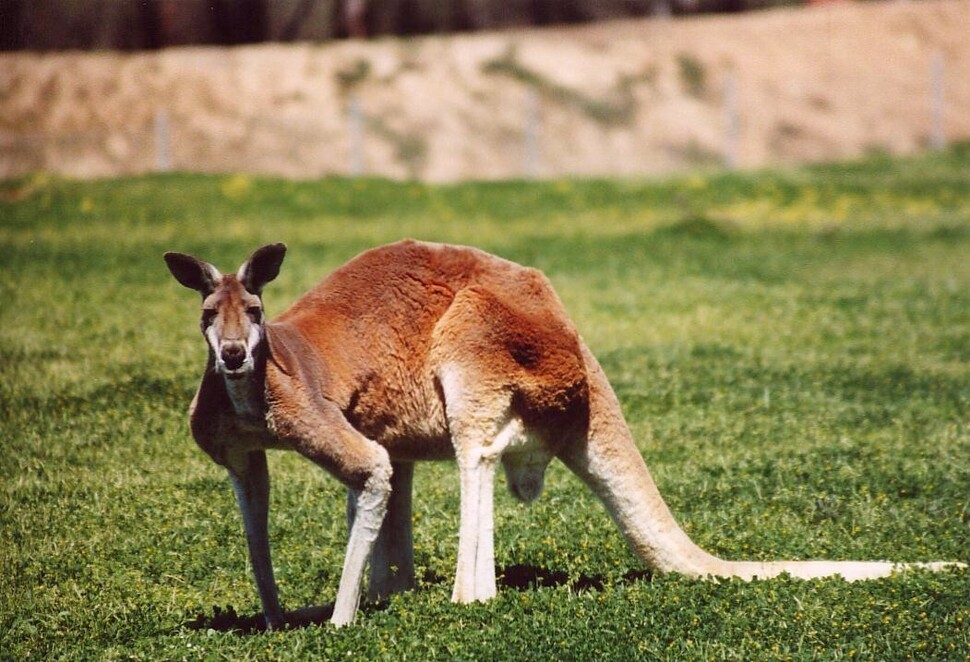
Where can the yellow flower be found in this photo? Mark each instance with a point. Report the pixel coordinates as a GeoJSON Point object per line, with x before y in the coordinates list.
{"type": "Point", "coordinates": [236, 187]}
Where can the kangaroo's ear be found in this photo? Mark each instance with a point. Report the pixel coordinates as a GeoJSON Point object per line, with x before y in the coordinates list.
{"type": "Point", "coordinates": [193, 273]}
{"type": "Point", "coordinates": [261, 267]}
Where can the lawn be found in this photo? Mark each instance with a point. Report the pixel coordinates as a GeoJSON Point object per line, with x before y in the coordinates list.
{"type": "Point", "coordinates": [790, 348]}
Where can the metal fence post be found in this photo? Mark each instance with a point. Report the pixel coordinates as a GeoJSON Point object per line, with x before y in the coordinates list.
{"type": "Point", "coordinates": [938, 131]}
{"type": "Point", "coordinates": [163, 142]}
{"type": "Point", "coordinates": [732, 122]}
{"type": "Point", "coordinates": [531, 136]}
{"type": "Point", "coordinates": [355, 121]}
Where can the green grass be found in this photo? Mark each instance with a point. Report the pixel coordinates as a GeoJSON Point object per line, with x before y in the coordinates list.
{"type": "Point", "coordinates": [790, 349]}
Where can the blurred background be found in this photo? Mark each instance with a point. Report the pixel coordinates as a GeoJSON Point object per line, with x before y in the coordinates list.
{"type": "Point", "coordinates": [447, 90]}
{"type": "Point", "coordinates": [139, 24]}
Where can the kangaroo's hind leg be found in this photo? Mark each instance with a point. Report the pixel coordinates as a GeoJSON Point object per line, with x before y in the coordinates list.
{"type": "Point", "coordinates": [392, 561]}
{"type": "Point", "coordinates": [476, 421]}
{"type": "Point", "coordinates": [508, 385]}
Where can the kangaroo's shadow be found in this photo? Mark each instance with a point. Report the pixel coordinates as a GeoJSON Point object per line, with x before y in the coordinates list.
{"type": "Point", "coordinates": [227, 620]}
{"type": "Point", "coordinates": [519, 577]}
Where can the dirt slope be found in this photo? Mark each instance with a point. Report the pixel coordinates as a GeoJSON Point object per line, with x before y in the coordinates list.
{"type": "Point", "coordinates": [622, 98]}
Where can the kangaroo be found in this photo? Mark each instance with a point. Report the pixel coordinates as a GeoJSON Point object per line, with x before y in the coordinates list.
{"type": "Point", "coordinates": [419, 351]}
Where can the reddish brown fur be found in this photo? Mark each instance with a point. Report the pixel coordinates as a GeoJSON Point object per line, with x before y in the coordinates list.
{"type": "Point", "coordinates": [375, 318]}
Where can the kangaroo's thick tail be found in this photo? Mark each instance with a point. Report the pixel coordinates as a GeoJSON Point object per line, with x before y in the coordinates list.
{"type": "Point", "coordinates": [607, 460]}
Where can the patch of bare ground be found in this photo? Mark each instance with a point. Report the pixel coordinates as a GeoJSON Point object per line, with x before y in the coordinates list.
{"type": "Point", "coordinates": [625, 98]}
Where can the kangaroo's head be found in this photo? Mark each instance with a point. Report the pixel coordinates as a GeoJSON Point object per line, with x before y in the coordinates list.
{"type": "Point", "coordinates": [232, 305]}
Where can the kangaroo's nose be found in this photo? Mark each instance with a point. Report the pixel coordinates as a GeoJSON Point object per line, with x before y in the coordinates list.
{"type": "Point", "coordinates": [233, 355]}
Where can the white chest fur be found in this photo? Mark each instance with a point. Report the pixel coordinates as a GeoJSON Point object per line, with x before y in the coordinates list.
{"type": "Point", "coordinates": [245, 397]}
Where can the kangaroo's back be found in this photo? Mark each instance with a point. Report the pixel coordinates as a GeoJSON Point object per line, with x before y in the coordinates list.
{"type": "Point", "coordinates": [382, 325]}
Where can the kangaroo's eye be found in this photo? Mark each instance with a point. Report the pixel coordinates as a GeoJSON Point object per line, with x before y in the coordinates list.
{"type": "Point", "coordinates": [208, 315]}
{"type": "Point", "coordinates": [255, 314]}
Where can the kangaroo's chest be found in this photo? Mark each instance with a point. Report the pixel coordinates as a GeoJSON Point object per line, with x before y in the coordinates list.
{"type": "Point", "coordinates": [224, 427]}
{"type": "Point", "coordinates": [245, 417]}
{"type": "Point", "coordinates": [243, 432]}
